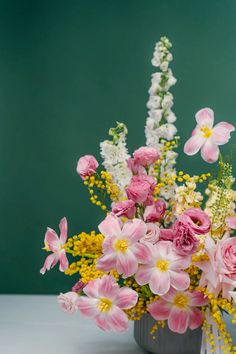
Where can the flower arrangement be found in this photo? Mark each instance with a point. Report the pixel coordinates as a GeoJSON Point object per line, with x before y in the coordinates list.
{"type": "Point", "coordinates": [165, 247]}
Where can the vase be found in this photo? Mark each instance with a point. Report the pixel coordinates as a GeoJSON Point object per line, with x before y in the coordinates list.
{"type": "Point", "coordinates": [166, 342]}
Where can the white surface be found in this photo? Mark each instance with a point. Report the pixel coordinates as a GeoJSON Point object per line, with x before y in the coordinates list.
{"type": "Point", "coordinates": [36, 325]}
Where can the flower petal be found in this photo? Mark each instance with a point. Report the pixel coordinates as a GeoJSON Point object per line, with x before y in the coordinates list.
{"type": "Point", "coordinates": [64, 264]}
{"type": "Point", "coordinates": [102, 322]}
{"type": "Point", "coordinates": [205, 117]}
{"type": "Point", "coordinates": [159, 310]}
{"type": "Point", "coordinates": [117, 319]}
{"type": "Point", "coordinates": [227, 126]}
{"type": "Point", "coordinates": [126, 264]}
{"type": "Point", "coordinates": [143, 274]}
{"type": "Point", "coordinates": [160, 282]}
{"type": "Point", "coordinates": [196, 318]}
{"type": "Point", "coordinates": [178, 320]}
{"type": "Point", "coordinates": [196, 298]}
{"type": "Point", "coordinates": [194, 144]}
{"type": "Point", "coordinates": [111, 226]}
{"type": "Point", "coordinates": [179, 280]}
{"type": "Point", "coordinates": [88, 306]}
{"type": "Point", "coordinates": [134, 230]}
{"type": "Point", "coordinates": [52, 240]}
{"type": "Point", "coordinates": [210, 151]}
{"type": "Point", "coordinates": [107, 262]}
{"type": "Point", "coordinates": [49, 263]}
{"type": "Point", "coordinates": [126, 298]}
{"type": "Point", "coordinates": [141, 252]}
{"type": "Point", "coordinates": [92, 288]}
{"type": "Point", "coordinates": [63, 228]}
{"type": "Point", "coordinates": [231, 221]}
{"type": "Point", "coordinates": [108, 287]}
{"type": "Point", "coordinates": [180, 262]}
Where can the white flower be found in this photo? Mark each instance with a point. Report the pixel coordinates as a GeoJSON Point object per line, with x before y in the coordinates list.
{"type": "Point", "coordinates": [154, 102]}
{"type": "Point", "coordinates": [164, 65]}
{"type": "Point", "coordinates": [156, 114]}
{"type": "Point", "coordinates": [167, 131]}
{"type": "Point", "coordinates": [170, 117]}
{"type": "Point", "coordinates": [167, 101]}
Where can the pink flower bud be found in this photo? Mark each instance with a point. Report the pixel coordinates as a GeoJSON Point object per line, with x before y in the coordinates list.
{"type": "Point", "coordinates": [86, 166]}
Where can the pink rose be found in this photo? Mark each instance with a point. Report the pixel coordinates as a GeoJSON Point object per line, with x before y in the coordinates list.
{"type": "Point", "coordinates": [152, 235]}
{"type": "Point", "coordinates": [141, 188]}
{"type": "Point", "coordinates": [125, 208]}
{"type": "Point", "coordinates": [69, 302]}
{"type": "Point", "coordinates": [198, 220]}
{"type": "Point", "coordinates": [78, 287]}
{"type": "Point", "coordinates": [86, 166]}
{"type": "Point", "coordinates": [146, 156]}
{"type": "Point", "coordinates": [184, 240]}
{"type": "Point", "coordinates": [226, 256]}
{"type": "Point", "coordinates": [135, 168]}
{"type": "Point", "coordinates": [155, 212]}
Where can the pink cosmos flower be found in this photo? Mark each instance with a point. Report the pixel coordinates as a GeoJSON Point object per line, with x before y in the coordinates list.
{"type": "Point", "coordinates": [87, 166]}
{"type": "Point", "coordinates": [141, 188]}
{"type": "Point", "coordinates": [231, 221]}
{"type": "Point", "coordinates": [197, 219]}
{"type": "Point", "coordinates": [121, 248]}
{"type": "Point", "coordinates": [69, 302]}
{"type": "Point", "coordinates": [105, 303]}
{"type": "Point", "coordinates": [219, 273]}
{"type": "Point", "coordinates": [78, 287]}
{"type": "Point", "coordinates": [55, 244]}
{"type": "Point", "coordinates": [180, 309]}
{"type": "Point", "coordinates": [206, 137]}
{"type": "Point", "coordinates": [153, 234]}
{"type": "Point", "coordinates": [146, 156]}
{"type": "Point", "coordinates": [124, 208]}
{"type": "Point", "coordinates": [164, 270]}
{"type": "Point", "coordinates": [155, 212]}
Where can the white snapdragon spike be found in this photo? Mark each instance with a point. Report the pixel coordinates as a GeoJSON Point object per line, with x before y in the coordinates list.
{"type": "Point", "coordinates": [115, 154]}
{"type": "Point", "coordinates": [161, 118]}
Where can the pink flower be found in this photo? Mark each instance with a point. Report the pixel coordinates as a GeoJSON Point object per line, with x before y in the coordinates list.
{"type": "Point", "coordinates": [219, 272]}
{"type": "Point", "coordinates": [206, 137]}
{"type": "Point", "coordinates": [55, 244]}
{"type": "Point", "coordinates": [69, 302]}
{"type": "Point", "coordinates": [231, 221]}
{"type": "Point", "coordinates": [164, 270]}
{"type": "Point", "coordinates": [153, 234]}
{"type": "Point", "coordinates": [105, 303]}
{"type": "Point", "coordinates": [87, 166]}
{"type": "Point", "coordinates": [78, 287]}
{"type": "Point", "coordinates": [198, 220]}
{"type": "Point", "coordinates": [146, 156]}
{"type": "Point", "coordinates": [184, 240]}
{"type": "Point", "coordinates": [155, 212]}
{"type": "Point", "coordinates": [141, 188]}
{"type": "Point", "coordinates": [179, 308]}
{"type": "Point", "coordinates": [121, 249]}
{"type": "Point", "coordinates": [125, 208]}
{"type": "Point", "coordinates": [135, 168]}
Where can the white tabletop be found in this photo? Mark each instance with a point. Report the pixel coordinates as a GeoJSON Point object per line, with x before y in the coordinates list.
{"type": "Point", "coordinates": [36, 325]}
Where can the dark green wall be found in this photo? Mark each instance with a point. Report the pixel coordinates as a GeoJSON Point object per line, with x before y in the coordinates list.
{"type": "Point", "coordinates": [68, 71]}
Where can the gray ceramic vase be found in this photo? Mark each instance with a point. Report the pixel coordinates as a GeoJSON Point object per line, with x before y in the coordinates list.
{"type": "Point", "coordinates": [166, 342]}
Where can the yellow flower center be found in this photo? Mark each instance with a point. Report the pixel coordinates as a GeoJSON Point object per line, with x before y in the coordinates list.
{"type": "Point", "coordinates": [162, 265]}
{"type": "Point", "coordinates": [206, 131]}
{"type": "Point", "coordinates": [121, 245]}
{"type": "Point", "coordinates": [104, 305]}
{"type": "Point", "coordinates": [181, 301]}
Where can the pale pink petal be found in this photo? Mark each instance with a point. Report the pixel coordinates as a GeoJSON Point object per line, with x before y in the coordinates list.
{"type": "Point", "coordinates": [49, 263]}
{"type": "Point", "coordinates": [88, 306]}
{"type": "Point", "coordinates": [180, 262]}
{"type": "Point", "coordinates": [166, 234]}
{"type": "Point", "coordinates": [111, 226]}
{"type": "Point", "coordinates": [205, 117]}
{"type": "Point", "coordinates": [159, 310]}
{"type": "Point", "coordinates": [231, 221]}
{"type": "Point", "coordinates": [178, 320]}
{"type": "Point", "coordinates": [102, 322]}
{"type": "Point", "coordinates": [63, 229]}
{"type": "Point", "coordinates": [134, 230]}
{"type": "Point", "coordinates": [160, 282]}
{"type": "Point", "coordinates": [106, 262]}
{"type": "Point", "coordinates": [179, 280]}
{"type": "Point", "coordinates": [118, 320]}
{"type": "Point", "coordinates": [126, 298]}
{"type": "Point", "coordinates": [108, 244]}
{"type": "Point", "coordinates": [168, 297]}
{"type": "Point", "coordinates": [108, 287]}
{"type": "Point", "coordinates": [52, 240]}
{"type": "Point", "coordinates": [196, 298]}
{"type": "Point", "coordinates": [141, 252]}
{"type": "Point", "coordinates": [210, 151]}
{"type": "Point", "coordinates": [63, 261]}
{"type": "Point", "coordinates": [196, 318]}
{"type": "Point", "coordinates": [92, 288]}
{"type": "Point", "coordinates": [126, 264]}
{"type": "Point", "coordinates": [194, 144]}
{"type": "Point", "coordinates": [143, 275]}
{"type": "Point", "coordinates": [227, 126]}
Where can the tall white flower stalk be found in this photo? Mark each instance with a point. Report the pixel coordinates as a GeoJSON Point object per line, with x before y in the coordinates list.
{"type": "Point", "coordinates": [160, 121]}
{"type": "Point", "coordinates": [115, 154]}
